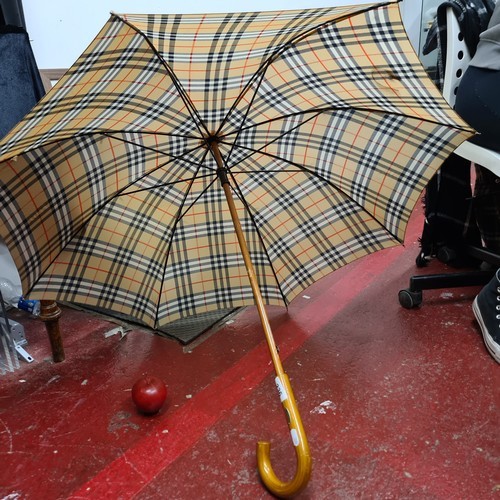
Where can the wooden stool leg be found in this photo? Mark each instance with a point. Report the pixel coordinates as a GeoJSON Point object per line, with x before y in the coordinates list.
{"type": "Point", "coordinates": [49, 314]}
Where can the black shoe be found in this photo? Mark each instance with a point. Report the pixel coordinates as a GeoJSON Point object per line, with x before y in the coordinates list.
{"type": "Point", "coordinates": [486, 307]}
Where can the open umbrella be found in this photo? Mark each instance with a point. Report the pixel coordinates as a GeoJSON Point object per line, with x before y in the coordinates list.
{"type": "Point", "coordinates": [192, 162]}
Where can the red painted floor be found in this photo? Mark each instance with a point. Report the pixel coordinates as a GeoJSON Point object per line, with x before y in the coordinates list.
{"type": "Point", "coordinates": [396, 403]}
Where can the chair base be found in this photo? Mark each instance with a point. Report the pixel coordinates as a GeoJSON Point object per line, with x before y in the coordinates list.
{"type": "Point", "coordinates": [412, 296]}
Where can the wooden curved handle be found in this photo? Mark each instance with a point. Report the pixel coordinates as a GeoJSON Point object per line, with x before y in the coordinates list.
{"type": "Point", "coordinates": [280, 488]}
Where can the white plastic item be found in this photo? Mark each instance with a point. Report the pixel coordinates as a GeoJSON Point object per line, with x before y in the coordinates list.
{"type": "Point", "coordinates": [13, 299]}
{"type": "Point", "coordinates": [457, 60]}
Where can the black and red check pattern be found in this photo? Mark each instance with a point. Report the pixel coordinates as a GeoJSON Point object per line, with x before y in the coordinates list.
{"type": "Point", "coordinates": [327, 124]}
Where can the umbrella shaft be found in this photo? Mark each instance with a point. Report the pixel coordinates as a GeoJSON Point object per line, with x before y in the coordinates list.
{"type": "Point", "coordinates": [259, 302]}
{"type": "Point", "coordinates": [303, 456]}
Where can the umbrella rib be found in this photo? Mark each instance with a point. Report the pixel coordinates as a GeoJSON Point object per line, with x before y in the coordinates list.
{"type": "Point", "coordinates": [307, 170]}
{"type": "Point", "coordinates": [132, 143]}
{"type": "Point", "coordinates": [177, 84]}
{"type": "Point", "coordinates": [147, 148]}
{"type": "Point", "coordinates": [179, 216]}
{"type": "Point", "coordinates": [243, 200]}
{"type": "Point", "coordinates": [198, 197]}
{"type": "Point", "coordinates": [123, 189]}
{"type": "Point", "coordinates": [246, 204]}
{"type": "Point", "coordinates": [318, 111]}
{"type": "Point", "coordinates": [261, 239]}
{"type": "Point", "coordinates": [233, 144]}
{"type": "Point", "coordinates": [247, 111]}
{"type": "Point", "coordinates": [165, 184]}
{"type": "Point", "coordinates": [170, 160]}
{"type": "Point", "coordinates": [259, 73]}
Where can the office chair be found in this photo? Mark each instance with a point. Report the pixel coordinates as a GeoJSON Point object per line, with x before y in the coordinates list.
{"type": "Point", "coordinates": [457, 60]}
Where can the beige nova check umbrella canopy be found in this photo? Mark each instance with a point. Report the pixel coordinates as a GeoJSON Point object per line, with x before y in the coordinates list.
{"type": "Point", "coordinates": [309, 134]}
{"type": "Point", "coordinates": [326, 123]}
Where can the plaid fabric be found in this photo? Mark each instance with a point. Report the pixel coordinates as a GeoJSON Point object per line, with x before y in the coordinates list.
{"type": "Point", "coordinates": [327, 124]}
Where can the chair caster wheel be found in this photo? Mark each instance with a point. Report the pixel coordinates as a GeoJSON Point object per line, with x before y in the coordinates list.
{"type": "Point", "coordinates": [447, 255]}
{"type": "Point", "coordinates": [409, 299]}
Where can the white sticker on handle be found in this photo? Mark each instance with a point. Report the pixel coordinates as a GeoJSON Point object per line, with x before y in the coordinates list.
{"type": "Point", "coordinates": [295, 437]}
{"type": "Point", "coordinates": [281, 389]}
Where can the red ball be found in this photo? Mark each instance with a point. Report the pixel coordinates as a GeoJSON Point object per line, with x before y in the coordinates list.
{"type": "Point", "coordinates": [149, 394]}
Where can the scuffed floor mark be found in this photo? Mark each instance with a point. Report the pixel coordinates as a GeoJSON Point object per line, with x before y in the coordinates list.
{"type": "Point", "coordinates": [212, 436]}
{"type": "Point", "coordinates": [323, 407]}
{"type": "Point", "coordinates": [121, 420]}
{"type": "Point", "coordinates": [53, 379]}
{"type": "Point", "coordinates": [9, 436]}
{"type": "Point", "coordinates": [134, 468]}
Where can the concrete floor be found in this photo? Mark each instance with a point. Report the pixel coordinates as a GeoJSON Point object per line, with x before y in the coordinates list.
{"type": "Point", "coordinates": [396, 403]}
